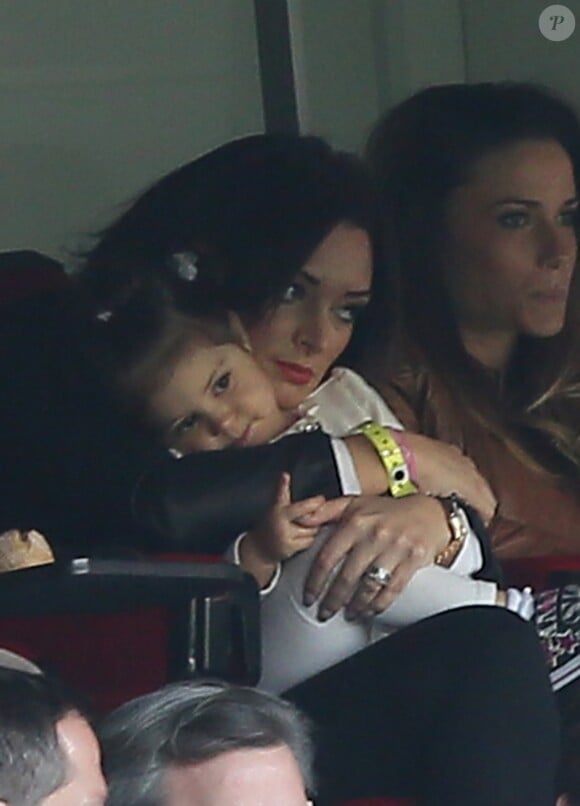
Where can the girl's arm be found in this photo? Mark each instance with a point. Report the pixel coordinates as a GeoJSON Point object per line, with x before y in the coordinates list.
{"type": "Point", "coordinates": [201, 501]}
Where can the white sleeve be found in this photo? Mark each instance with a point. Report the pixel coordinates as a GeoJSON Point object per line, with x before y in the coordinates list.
{"type": "Point", "coordinates": [232, 555]}
{"type": "Point", "coordinates": [347, 475]}
{"type": "Point", "coordinates": [295, 644]}
{"type": "Point", "coordinates": [433, 590]}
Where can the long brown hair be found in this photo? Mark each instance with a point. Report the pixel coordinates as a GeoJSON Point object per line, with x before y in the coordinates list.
{"type": "Point", "coordinates": [420, 152]}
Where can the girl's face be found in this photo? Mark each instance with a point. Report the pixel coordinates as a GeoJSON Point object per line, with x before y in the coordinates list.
{"type": "Point", "coordinates": [216, 397]}
{"type": "Point", "coordinates": [298, 341]}
{"type": "Point", "coordinates": [511, 247]}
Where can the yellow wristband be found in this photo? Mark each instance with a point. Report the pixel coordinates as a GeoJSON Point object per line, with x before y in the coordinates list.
{"type": "Point", "coordinates": [391, 456]}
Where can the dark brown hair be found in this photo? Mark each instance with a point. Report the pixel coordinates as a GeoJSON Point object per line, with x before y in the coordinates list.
{"type": "Point", "coordinates": [257, 207]}
{"type": "Point", "coordinates": [420, 153]}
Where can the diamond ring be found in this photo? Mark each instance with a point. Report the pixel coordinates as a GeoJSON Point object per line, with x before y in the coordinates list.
{"type": "Point", "coordinates": [382, 576]}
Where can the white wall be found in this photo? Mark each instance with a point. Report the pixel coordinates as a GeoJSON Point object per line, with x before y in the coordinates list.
{"type": "Point", "coordinates": [99, 97]}
{"type": "Point", "coordinates": [336, 75]}
{"type": "Point", "coordinates": [356, 58]}
{"type": "Point", "coordinates": [421, 43]}
{"type": "Point", "coordinates": [503, 41]}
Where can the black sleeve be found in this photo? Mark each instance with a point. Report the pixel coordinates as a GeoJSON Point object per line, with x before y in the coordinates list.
{"type": "Point", "coordinates": [491, 569]}
{"type": "Point", "coordinates": [202, 501]}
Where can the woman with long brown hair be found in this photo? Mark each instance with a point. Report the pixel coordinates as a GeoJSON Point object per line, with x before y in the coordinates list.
{"type": "Point", "coordinates": [478, 186]}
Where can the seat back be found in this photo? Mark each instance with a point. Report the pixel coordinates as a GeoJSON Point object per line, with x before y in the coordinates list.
{"type": "Point", "coordinates": [26, 272]}
{"type": "Point", "coordinates": [115, 629]}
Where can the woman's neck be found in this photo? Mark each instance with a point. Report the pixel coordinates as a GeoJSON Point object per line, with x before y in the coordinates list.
{"type": "Point", "coordinates": [493, 349]}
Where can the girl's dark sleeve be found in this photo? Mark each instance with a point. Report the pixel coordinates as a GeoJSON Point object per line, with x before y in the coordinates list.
{"type": "Point", "coordinates": [202, 501]}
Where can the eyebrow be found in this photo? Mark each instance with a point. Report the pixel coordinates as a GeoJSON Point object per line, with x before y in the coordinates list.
{"type": "Point", "coordinates": [532, 202]}
{"type": "Point", "coordinates": [310, 278]}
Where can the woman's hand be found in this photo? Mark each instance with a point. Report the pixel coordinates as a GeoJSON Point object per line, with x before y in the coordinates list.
{"type": "Point", "coordinates": [400, 535]}
{"type": "Point", "coordinates": [443, 469]}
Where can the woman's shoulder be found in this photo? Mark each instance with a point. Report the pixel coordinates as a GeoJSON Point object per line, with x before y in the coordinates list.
{"type": "Point", "coordinates": [341, 384]}
{"type": "Point", "coordinates": [345, 400]}
{"type": "Point", "coordinates": [407, 375]}
{"type": "Point", "coordinates": [418, 394]}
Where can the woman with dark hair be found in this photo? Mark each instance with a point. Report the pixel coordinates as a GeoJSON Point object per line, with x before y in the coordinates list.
{"type": "Point", "coordinates": [478, 187]}
{"type": "Point", "coordinates": [282, 231]}
{"type": "Point", "coordinates": [278, 220]}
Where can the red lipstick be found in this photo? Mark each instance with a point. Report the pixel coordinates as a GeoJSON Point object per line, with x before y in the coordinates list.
{"type": "Point", "coordinates": [295, 373]}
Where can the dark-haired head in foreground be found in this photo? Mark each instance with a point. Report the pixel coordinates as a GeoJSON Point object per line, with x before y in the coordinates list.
{"type": "Point", "coordinates": [252, 210]}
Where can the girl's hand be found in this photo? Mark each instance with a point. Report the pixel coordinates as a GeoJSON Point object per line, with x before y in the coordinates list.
{"type": "Point", "coordinates": [443, 469]}
{"type": "Point", "coordinates": [280, 535]}
{"type": "Point", "coordinates": [400, 535]}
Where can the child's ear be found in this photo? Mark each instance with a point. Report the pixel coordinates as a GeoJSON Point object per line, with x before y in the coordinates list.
{"type": "Point", "coordinates": [239, 331]}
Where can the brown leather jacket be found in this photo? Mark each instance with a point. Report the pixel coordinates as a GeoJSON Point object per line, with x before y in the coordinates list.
{"type": "Point", "coordinates": [535, 515]}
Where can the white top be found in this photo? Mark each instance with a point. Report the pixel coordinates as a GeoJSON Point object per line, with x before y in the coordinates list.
{"type": "Point", "coordinates": [295, 645]}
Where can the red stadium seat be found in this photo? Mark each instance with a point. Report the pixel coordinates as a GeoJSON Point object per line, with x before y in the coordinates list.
{"type": "Point", "coordinates": [28, 272]}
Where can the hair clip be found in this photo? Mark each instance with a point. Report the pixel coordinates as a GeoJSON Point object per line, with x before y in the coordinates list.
{"type": "Point", "coordinates": [104, 316]}
{"type": "Point", "coordinates": [185, 265]}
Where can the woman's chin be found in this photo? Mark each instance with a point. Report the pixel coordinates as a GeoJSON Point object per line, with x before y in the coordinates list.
{"type": "Point", "coordinates": [290, 396]}
{"type": "Point", "coordinates": [546, 328]}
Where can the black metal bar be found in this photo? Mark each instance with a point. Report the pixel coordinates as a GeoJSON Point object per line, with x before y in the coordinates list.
{"type": "Point", "coordinates": [276, 66]}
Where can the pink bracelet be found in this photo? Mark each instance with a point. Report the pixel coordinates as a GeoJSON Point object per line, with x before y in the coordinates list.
{"type": "Point", "coordinates": [399, 437]}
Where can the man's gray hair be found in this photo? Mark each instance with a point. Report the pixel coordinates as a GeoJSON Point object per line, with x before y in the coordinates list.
{"type": "Point", "coordinates": [191, 722]}
{"type": "Point", "coordinates": [32, 762]}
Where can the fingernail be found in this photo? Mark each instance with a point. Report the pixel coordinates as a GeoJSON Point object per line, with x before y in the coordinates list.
{"type": "Point", "coordinates": [324, 615]}
{"type": "Point", "coordinates": [308, 599]}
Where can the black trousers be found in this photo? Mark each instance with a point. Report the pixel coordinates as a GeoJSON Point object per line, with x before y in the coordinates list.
{"type": "Point", "coordinates": [456, 709]}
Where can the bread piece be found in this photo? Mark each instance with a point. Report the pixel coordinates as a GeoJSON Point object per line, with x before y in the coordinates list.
{"type": "Point", "coordinates": [23, 550]}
